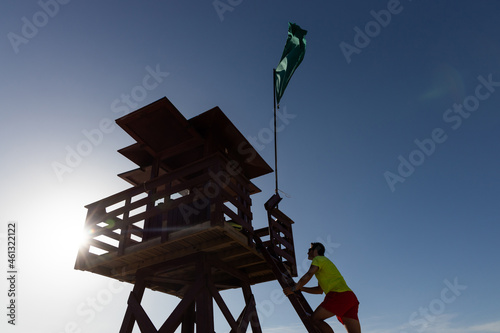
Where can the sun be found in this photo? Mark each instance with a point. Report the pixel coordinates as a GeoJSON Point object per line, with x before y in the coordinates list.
{"type": "Point", "coordinates": [63, 228]}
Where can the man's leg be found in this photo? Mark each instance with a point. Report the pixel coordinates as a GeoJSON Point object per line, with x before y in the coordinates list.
{"type": "Point", "coordinates": [351, 325]}
{"type": "Point", "coordinates": [318, 318]}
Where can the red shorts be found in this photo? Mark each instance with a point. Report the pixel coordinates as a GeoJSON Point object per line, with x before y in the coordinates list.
{"type": "Point", "coordinates": [344, 304]}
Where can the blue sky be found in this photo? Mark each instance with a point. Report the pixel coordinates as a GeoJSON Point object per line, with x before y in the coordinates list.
{"type": "Point", "coordinates": [388, 153]}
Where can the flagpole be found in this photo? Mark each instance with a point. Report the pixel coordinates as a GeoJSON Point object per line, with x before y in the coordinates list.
{"type": "Point", "coordinates": [292, 56]}
{"type": "Point", "coordinates": [275, 136]}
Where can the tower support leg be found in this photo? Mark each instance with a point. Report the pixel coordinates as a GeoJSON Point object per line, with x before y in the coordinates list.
{"type": "Point", "coordinates": [137, 293]}
{"type": "Point", "coordinates": [188, 319]}
{"type": "Point", "coordinates": [195, 312]}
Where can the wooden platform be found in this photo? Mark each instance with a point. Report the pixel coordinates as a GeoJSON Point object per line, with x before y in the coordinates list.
{"type": "Point", "coordinates": [224, 243]}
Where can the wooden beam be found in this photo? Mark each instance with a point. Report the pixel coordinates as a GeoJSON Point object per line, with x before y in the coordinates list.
{"type": "Point", "coordinates": [129, 318]}
{"type": "Point", "coordinates": [175, 318]}
{"type": "Point", "coordinates": [145, 324]}
{"type": "Point", "coordinates": [204, 312]}
{"type": "Point", "coordinates": [204, 301]}
{"type": "Point", "coordinates": [188, 319]}
{"type": "Point", "coordinates": [101, 245]}
{"type": "Point", "coordinates": [281, 216]}
{"type": "Point", "coordinates": [262, 232]}
{"type": "Point", "coordinates": [224, 309]}
{"type": "Point", "coordinates": [253, 316]}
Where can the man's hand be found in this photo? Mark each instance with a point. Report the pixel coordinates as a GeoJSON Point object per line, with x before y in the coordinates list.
{"type": "Point", "coordinates": [303, 280]}
{"type": "Point", "coordinates": [289, 290]}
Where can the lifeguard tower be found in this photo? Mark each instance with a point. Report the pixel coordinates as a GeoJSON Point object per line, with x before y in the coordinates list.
{"type": "Point", "coordinates": [185, 226]}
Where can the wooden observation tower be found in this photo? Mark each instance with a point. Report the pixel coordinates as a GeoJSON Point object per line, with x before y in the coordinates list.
{"type": "Point", "coordinates": [185, 226]}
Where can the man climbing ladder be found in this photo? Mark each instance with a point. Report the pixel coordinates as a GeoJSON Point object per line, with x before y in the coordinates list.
{"type": "Point", "coordinates": [339, 301]}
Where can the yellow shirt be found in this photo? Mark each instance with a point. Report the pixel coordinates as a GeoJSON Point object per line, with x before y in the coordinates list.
{"type": "Point", "coordinates": [328, 275]}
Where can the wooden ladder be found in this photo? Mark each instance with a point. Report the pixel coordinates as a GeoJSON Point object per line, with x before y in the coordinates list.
{"type": "Point", "coordinates": [271, 252]}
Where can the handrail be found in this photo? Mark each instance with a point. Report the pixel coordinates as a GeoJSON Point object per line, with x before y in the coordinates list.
{"type": "Point", "coordinates": [133, 216]}
{"type": "Point", "coordinates": [280, 234]}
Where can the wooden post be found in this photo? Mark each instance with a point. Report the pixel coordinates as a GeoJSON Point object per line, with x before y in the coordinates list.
{"type": "Point", "coordinates": [138, 293]}
{"type": "Point", "coordinates": [204, 302]}
{"type": "Point", "coordinates": [188, 319]}
{"type": "Point", "coordinates": [250, 305]}
{"type": "Point", "coordinates": [126, 230]}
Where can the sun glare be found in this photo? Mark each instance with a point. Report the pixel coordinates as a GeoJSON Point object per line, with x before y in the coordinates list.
{"type": "Point", "coordinates": [65, 226]}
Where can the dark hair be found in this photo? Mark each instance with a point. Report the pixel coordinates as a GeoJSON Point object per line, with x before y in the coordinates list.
{"type": "Point", "coordinates": [318, 247]}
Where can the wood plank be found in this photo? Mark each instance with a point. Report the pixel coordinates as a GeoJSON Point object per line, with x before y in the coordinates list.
{"type": "Point", "coordinates": [272, 202]}
{"type": "Point", "coordinates": [145, 324]}
{"type": "Point", "coordinates": [278, 240]}
{"type": "Point", "coordinates": [223, 307]}
{"type": "Point", "coordinates": [281, 216]}
{"type": "Point", "coordinates": [280, 228]}
{"type": "Point", "coordinates": [101, 245]}
{"type": "Point", "coordinates": [174, 320]}
{"type": "Point", "coordinates": [284, 254]}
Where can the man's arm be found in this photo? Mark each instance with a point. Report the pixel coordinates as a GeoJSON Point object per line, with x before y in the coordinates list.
{"type": "Point", "coordinates": [303, 281]}
{"type": "Point", "coordinates": [312, 290]}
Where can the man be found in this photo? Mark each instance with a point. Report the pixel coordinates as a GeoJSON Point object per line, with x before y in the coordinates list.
{"type": "Point", "coordinates": [339, 301]}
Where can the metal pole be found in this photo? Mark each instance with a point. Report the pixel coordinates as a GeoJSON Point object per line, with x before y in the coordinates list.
{"type": "Point", "coordinates": [275, 136]}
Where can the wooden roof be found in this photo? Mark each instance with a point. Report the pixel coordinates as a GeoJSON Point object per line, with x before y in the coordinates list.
{"type": "Point", "coordinates": [229, 139]}
{"type": "Point", "coordinates": [161, 131]}
{"type": "Point", "coordinates": [158, 127]}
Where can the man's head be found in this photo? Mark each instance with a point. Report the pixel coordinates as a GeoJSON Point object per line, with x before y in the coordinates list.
{"type": "Point", "coordinates": [316, 249]}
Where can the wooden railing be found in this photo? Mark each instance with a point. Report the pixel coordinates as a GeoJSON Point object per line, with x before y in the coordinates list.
{"type": "Point", "coordinates": [201, 192]}
{"type": "Point", "coordinates": [280, 242]}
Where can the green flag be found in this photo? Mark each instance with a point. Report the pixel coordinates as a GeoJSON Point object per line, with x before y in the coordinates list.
{"type": "Point", "coordinates": [292, 56]}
